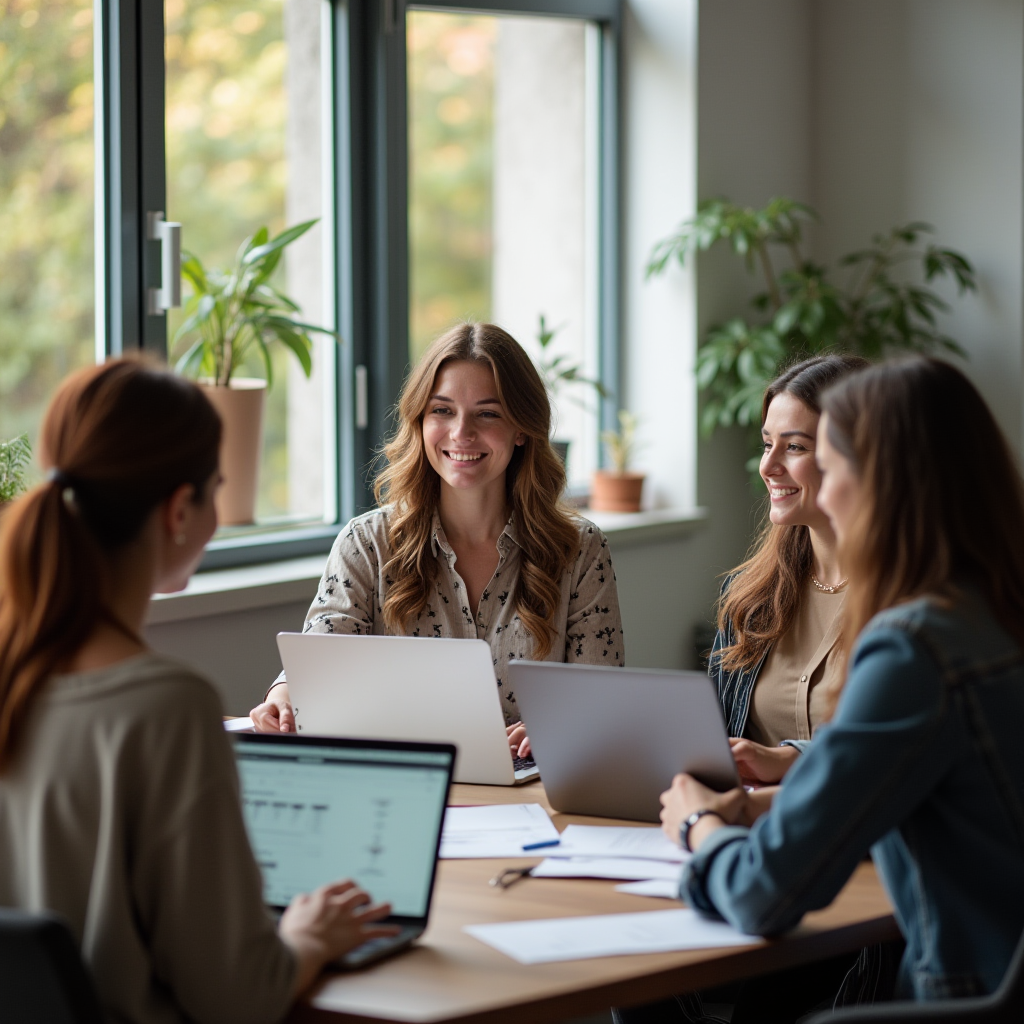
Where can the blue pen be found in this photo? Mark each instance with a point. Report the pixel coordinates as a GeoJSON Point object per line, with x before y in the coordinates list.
{"type": "Point", "coordinates": [540, 846]}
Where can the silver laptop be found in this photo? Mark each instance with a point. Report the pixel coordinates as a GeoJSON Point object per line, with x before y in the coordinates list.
{"type": "Point", "coordinates": [319, 810]}
{"type": "Point", "coordinates": [609, 740]}
{"type": "Point", "coordinates": [404, 688]}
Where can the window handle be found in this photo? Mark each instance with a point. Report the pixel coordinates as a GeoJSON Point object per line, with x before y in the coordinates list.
{"type": "Point", "coordinates": [168, 234]}
{"type": "Point", "coordinates": [362, 400]}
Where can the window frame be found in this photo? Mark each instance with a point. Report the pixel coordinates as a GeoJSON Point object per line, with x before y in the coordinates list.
{"type": "Point", "coordinates": [369, 133]}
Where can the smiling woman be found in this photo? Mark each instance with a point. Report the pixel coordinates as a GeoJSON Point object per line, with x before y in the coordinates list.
{"type": "Point", "coordinates": [472, 539]}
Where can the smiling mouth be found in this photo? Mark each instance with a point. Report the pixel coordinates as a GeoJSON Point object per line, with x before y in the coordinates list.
{"type": "Point", "coordinates": [464, 456]}
{"type": "Point", "coordinates": [777, 493]}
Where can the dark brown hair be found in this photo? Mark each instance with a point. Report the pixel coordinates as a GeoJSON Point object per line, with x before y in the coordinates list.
{"type": "Point", "coordinates": [534, 481]}
{"type": "Point", "coordinates": [911, 429]}
{"type": "Point", "coordinates": [118, 439]}
{"type": "Point", "coordinates": [763, 598]}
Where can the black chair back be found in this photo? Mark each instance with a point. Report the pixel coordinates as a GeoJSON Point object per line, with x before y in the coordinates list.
{"type": "Point", "coordinates": [42, 977]}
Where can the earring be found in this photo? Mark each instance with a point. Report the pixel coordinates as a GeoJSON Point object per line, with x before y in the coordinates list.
{"type": "Point", "coordinates": [180, 539]}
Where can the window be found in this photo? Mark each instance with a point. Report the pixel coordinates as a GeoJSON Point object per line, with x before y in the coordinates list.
{"type": "Point", "coordinates": [446, 183]}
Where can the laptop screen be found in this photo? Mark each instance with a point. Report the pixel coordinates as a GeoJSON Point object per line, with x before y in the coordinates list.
{"type": "Point", "coordinates": [319, 811]}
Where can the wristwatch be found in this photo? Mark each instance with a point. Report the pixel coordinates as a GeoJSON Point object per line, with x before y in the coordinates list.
{"type": "Point", "coordinates": [684, 829]}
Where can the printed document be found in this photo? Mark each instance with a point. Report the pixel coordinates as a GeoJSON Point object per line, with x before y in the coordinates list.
{"type": "Point", "coordinates": [661, 888]}
{"type": "Point", "coordinates": [582, 938]}
{"type": "Point", "coordinates": [618, 841]}
{"type": "Point", "coordinates": [606, 867]}
{"type": "Point", "coordinates": [496, 830]}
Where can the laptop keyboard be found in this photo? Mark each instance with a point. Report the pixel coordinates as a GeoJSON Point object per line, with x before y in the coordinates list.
{"type": "Point", "coordinates": [522, 764]}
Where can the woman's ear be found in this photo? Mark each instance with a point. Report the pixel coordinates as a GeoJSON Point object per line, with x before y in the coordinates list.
{"type": "Point", "coordinates": [520, 439]}
{"type": "Point", "coordinates": [178, 510]}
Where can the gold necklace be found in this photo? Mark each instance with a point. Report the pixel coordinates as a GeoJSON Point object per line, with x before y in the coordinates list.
{"type": "Point", "coordinates": [825, 588]}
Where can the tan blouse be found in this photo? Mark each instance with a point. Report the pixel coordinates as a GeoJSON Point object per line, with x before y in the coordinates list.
{"type": "Point", "coordinates": [800, 681]}
{"type": "Point", "coordinates": [587, 623]}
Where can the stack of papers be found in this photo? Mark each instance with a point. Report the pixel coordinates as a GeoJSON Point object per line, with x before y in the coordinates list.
{"type": "Point", "coordinates": [581, 938]}
{"type": "Point", "coordinates": [607, 867]}
{"type": "Point", "coordinates": [619, 841]}
{"type": "Point", "coordinates": [499, 830]}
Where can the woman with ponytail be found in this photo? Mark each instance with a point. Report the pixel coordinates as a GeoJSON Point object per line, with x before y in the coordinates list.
{"type": "Point", "coordinates": [119, 802]}
{"type": "Point", "coordinates": [471, 539]}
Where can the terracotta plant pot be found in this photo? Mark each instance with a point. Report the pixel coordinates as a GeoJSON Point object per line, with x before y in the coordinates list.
{"type": "Point", "coordinates": [241, 411]}
{"type": "Point", "coordinates": [616, 492]}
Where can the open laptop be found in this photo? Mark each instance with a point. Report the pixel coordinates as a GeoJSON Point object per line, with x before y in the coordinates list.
{"type": "Point", "coordinates": [404, 688]}
{"type": "Point", "coordinates": [609, 740]}
{"type": "Point", "coordinates": [323, 809]}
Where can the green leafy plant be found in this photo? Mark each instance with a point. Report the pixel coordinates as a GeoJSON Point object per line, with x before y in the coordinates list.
{"type": "Point", "coordinates": [557, 370]}
{"type": "Point", "coordinates": [622, 443]}
{"type": "Point", "coordinates": [15, 455]}
{"type": "Point", "coordinates": [231, 312]}
{"type": "Point", "coordinates": [881, 308]}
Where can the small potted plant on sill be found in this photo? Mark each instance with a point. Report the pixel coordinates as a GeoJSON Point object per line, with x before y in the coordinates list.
{"type": "Point", "coordinates": [15, 455]}
{"type": "Point", "coordinates": [232, 315]}
{"type": "Point", "coordinates": [556, 371]}
{"type": "Point", "coordinates": [617, 489]}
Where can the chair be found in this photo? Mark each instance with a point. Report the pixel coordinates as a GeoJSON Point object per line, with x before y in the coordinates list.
{"type": "Point", "coordinates": [1004, 1006]}
{"type": "Point", "coordinates": [42, 977]}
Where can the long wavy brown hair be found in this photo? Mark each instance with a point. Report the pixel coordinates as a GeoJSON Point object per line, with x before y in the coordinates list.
{"type": "Point", "coordinates": [119, 439]}
{"type": "Point", "coordinates": [762, 600]}
{"type": "Point", "coordinates": [534, 482]}
{"type": "Point", "coordinates": [909, 428]}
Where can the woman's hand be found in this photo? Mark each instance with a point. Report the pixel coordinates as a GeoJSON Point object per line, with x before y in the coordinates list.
{"type": "Point", "coordinates": [758, 765]}
{"type": "Point", "coordinates": [518, 741]}
{"type": "Point", "coordinates": [323, 925]}
{"type": "Point", "coordinates": [688, 795]}
{"type": "Point", "coordinates": [275, 714]}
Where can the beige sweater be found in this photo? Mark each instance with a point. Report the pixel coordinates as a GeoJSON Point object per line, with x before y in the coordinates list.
{"type": "Point", "coordinates": [121, 812]}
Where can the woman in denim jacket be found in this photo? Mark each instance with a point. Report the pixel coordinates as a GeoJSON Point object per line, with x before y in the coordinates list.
{"type": "Point", "coordinates": [923, 762]}
{"type": "Point", "coordinates": [777, 661]}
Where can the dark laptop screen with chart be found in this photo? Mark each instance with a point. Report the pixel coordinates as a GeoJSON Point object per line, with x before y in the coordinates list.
{"type": "Point", "coordinates": [319, 810]}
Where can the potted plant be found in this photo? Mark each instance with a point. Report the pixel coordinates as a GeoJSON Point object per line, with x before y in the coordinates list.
{"type": "Point", "coordinates": [617, 489]}
{"type": "Point", "coordinates": [557, 371]}
{"type": "Point", "coordinates": [232, 315]}
{"type": "Point", "coordinates": [15, 455]}
{"type": "Point", "coordinates": [881, 308]}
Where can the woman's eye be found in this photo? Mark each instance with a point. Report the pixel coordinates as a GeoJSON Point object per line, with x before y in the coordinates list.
{"type": "Point", "coordinates": [766, 446]}
{"type": "Point", "coordinates": [439, 410]}
{"type": "Point", "coordinates": [793, 447]}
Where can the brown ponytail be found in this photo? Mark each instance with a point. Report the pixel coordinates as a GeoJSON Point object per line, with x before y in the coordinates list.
{"type": "Point", "coordinates": [119, 439]}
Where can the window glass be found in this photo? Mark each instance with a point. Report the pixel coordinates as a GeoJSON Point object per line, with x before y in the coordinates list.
{"type": "Point", "coordinates": [502, 192]}
{"type": "Point", "coordinates": [47, 180]}
{"type": "Point", "coordinates": [245, 106]}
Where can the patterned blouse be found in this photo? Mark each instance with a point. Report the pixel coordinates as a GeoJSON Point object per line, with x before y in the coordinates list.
{"type": "Point", "coordinates": [354, 585]}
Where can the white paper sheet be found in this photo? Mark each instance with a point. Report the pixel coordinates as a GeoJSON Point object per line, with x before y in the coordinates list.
{"type": "Point", "coordinates": [605, 867]}
{"type": "Point", "coordinates": [581, 938]}
{"type": "Point", "coordinates": [238, 725]}
{"type": "Point", "coordinates": [495, 830]}
{"type": "Point", "coordinates": [618, 841]}
{"type": "Point", "coordinates": [666, 889]}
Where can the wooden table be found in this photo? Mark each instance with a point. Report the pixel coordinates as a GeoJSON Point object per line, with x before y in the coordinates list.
{"type": "Point", "coordinates": [450, 976]}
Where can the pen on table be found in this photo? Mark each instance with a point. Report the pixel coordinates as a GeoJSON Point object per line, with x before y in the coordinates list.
{"type": "Point", "coordinates": [541, 845]}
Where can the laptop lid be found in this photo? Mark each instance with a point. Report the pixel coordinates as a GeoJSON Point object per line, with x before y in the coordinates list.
{"type": "Point", "coordinates": [321, 809]}
{"type": "Point", "coordinates": [609, 740]}
{"type": "Point", "coordinates": [402, 688]}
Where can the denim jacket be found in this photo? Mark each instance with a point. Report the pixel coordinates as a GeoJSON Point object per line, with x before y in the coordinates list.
{"type": "Point", "coordinates": [923, 764]}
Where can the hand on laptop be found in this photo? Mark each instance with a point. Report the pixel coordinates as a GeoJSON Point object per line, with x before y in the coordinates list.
{"type": "Point", "coordinates": [518, 741]}
{"type": "Point", "coordinates": [759, 765]}
{"type": "Point", "coordinates": [687, 795]}
{"type": "Point", "coordinates": [275, 713]}
{"type": "Point", "coordinates": [328, 923]}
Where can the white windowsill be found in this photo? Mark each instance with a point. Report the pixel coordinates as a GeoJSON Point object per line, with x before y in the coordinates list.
{"type": "Point", "coordinates": [295, 580]}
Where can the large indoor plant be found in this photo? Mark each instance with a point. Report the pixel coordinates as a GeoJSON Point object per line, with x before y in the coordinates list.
{"type": "Point", "coordinates": [618, 489]}
{"type": "Point", "coordinates": [15, 456]}
{"type": "Point", "coordinates": [883, 306]}
{"type": "Point", "coordinates": [231, 316]}
{"type": "Point", "coordinates": [558, 370]}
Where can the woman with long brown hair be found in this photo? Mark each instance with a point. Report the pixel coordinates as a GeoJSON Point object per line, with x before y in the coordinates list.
{"type": "Point", "coordinates": [776, 658]}
{"type": "Point", "coordinates": [921, 761]}
{"type": "Point", "coordinates": [471, 539]}
{"type": "Point", "coordinates": [119, 802]}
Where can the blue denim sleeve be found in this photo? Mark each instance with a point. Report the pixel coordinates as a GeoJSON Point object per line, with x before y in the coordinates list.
{"type": "Point", "coordinates": [860, 777]}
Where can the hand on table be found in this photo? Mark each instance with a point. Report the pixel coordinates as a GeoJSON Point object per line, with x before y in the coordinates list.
{"type": "Point", "coordinates": [759, 765]}
{"type": "Point", "coordinates": [275, 713]}
{"type": "Point", "coordinates": [518, 741]}
{"type": "Point", "coordinates": [329, 922]}
{"type": "Point", "coordinates": [687, 795]}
